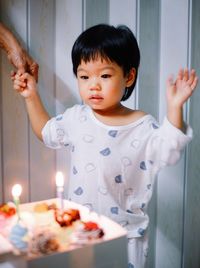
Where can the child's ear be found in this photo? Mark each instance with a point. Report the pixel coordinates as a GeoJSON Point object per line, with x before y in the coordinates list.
{"type": "Point", "coordinates": [130, 77]}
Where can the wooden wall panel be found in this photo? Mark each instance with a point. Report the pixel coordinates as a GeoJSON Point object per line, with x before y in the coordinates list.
{"type": "Point", "coordinates": [191, 257]}
{"type": "Point", "coordinates": [25, 159]}
{"type": "Point", "coordinates": [149, 42]}
{"type": "Point", "coordinates": [14, 119]}
{"type": "Point", "coordinates": [1, 149]}
{"type": "Point", "coordinates": [148, 90]}
{"type": "Point", "coordinates": [126, 12]}
{"type": "Point", "coordinates": [170, 191]}
{"type": "Point", "coordinates": [95, 12]}
{"type": "Point", "coordinates": [68, 16]}
{"type": "Point", "coordinates": [137, 15]}
{"type": "Point", "coordinates": [41, 39]}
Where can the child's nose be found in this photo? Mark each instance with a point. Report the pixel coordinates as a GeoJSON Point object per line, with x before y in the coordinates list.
{"type": "Point", "coordinates": [95, 85]}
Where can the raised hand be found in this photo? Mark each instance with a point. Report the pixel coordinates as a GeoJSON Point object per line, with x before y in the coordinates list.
{"type": "Point", "coordinates": [179, 91]}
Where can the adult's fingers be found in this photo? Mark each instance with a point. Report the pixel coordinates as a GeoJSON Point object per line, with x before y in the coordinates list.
{"type": "Point", "coordinates": [34, 70]}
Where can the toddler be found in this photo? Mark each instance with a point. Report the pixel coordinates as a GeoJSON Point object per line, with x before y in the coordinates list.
{"type": "Point", "coordinates": [116, 152]}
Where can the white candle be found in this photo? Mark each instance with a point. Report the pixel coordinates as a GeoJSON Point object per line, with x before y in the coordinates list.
{"type": "Point", "coordinates": [60, 188]}
{"type": "Point", "coordinates": [16, 192]}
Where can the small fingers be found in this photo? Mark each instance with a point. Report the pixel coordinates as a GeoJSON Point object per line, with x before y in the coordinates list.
{"type": "Point", "coordinates": [180, 74]}
{"type": "Point", "coordinates": [193, 79]}
{"type": "Point", "coordinates": [21, 77]}
{"type": "Point", "coordinates": [20, 72]}
{"type": "Point", "coordinates": [19, 82]}
{"type": "Point", "coordinates": [189, 77]}
{"type": "Point", "coordinates": [170, 80]}
{"type": "Point", "coordinates": [34, 70]}
{"type": "Point", "coordinates": [185, 75]}
{"type": "Point", "coordinates": [19, 85]}
{"type": "Point", "coordinates": [18, 88]}
{"type": "Point", "coordinates": [12, 75]}
{"type": "Point", "coordinates": [194, 83]}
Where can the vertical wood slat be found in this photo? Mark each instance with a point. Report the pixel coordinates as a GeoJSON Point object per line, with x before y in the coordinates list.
{"type": "Point", "coordinates": [147, 18]}
{"type": "Point", "coordinates": [14, 118]}
{"type": "Point", "coordinates": [68, 17]}
{"type": "Point", "coordinates": [41, 41]}
{"type": "Point", "coordinates": [125, 13]}
{"type": "Point", "coordinates": [1, 149]}
{"type": "Point", "coordinates": [173, 55]}
{"type": "Point", "coordinates": [149, 47]}
{"type": "Point", "coordinates": [148, 93]}
{"type": "Point", "coordinates": [95, 12]}
{"type": "Point", "coordinates": [191, 257]}
{"type": "Point", "coordinates": [1, 125]}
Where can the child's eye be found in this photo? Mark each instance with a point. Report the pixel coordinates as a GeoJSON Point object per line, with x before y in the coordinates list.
{"type": "Point", "coordinates": [84, 77]}
{"type": "Point", "coordinates": [106, 76]}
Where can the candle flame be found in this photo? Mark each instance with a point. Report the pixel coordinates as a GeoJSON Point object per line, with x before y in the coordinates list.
{"type": "Point", "coordinates": [59, 179]}
{"type": "Point", "coordinates": [16, 190]}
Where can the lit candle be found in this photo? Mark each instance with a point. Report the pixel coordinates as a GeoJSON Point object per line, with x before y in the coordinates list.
{"type": "Point", "coordinates": [16, 192]}
{"type": "Point", "coordinates": [60, 188]}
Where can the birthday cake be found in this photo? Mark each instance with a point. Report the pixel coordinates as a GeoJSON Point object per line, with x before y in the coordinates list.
{"type": "Point", "coordinates": [43, 228]}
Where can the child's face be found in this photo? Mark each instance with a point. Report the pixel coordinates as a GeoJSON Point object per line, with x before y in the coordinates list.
{"type": "Point", "coordinates": [101, 83]}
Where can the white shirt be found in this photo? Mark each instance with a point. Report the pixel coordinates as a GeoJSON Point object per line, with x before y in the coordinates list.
{"type": "Point", "coordinates": [113, 168]}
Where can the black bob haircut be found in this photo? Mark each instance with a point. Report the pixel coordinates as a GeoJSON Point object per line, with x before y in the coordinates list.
{"type": "Point", "coordinates": [117, 44]}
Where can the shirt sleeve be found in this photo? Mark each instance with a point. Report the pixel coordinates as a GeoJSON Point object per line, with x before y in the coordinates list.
{"type": "Point", "coordinates": [54, 133]}
{"type": "Point", "coordinates": [166, 144]}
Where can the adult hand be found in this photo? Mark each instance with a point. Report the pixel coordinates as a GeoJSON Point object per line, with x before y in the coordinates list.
{"type": "Point", "coordinates": [23, 62]}
{"type": "Point", "coordinates": [17, 56]}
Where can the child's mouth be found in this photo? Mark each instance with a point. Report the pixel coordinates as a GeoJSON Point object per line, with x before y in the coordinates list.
{"type": "Point", "coordinates": [95, 98]}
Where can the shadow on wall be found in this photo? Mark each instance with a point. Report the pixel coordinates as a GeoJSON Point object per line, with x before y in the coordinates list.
{"type": "Point", "coordinates": [61, 95]}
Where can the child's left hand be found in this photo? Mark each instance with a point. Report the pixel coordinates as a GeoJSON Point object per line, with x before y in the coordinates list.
{"type": "Point", "coordinates": [178, 92]}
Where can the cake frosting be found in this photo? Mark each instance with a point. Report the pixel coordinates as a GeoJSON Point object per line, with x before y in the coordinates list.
{"type": "Point", "coordinates": [87, 232]}
{"type": "Point", "coordinates": [7, 218]}
{"type": "Point", "coordinates": [7, 210]}
{"type": "Point", "coordinates": [67, 217]}
{"type": "Point", "coordinates": [17, 236]}
{"type": "Point", "coordinates": [43, 241]}
{"type": "Point", "coordinates": [45, 229]}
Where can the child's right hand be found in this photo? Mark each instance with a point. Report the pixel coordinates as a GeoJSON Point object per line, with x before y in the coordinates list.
{"type": "Point", "coordinates": [25, 84]}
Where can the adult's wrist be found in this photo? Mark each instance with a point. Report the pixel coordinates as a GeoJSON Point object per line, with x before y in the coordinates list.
{"type": "Point", "coordinates": [9, 43]}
